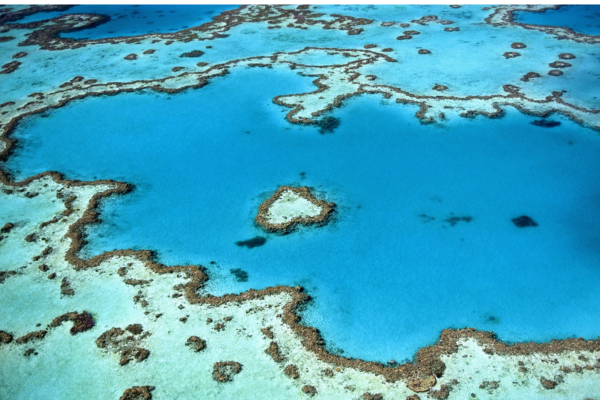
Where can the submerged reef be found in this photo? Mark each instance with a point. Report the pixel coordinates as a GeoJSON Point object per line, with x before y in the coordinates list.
{"type": "Point", "coordinates": [524, 221]}
{"type": "Point", "coordinates": [328, 124]}
{"type": "Point", "coordinates": [176, 297]}
{"type": "Point", "coordinates": [256, 241]}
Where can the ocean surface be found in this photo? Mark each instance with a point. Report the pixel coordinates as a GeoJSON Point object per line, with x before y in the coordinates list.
{"type": "Point", "coordinates": [422, 239]}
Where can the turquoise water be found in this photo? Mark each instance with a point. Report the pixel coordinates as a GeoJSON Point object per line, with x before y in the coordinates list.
{"type": "Point", "coordinates": [582, 18]}
{"type": "Point", "coordinates": [138, 19]}
{"type": "Point", "coordinates": [392, 269]}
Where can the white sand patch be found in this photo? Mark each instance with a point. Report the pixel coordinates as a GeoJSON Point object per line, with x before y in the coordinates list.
{"type": "Point", "coordinates": [291, 205]}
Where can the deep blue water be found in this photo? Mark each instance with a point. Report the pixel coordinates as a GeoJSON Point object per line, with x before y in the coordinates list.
{"type": "Point", "coordinates": [582, 18]}
{"type": "Point", "coordinates": [138, 19]}
{"type": "Point", "coordinates": [392, 270]}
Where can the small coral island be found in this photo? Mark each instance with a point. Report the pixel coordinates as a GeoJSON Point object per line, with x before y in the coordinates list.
{"type": "Point", "coordinates": [290, 207]}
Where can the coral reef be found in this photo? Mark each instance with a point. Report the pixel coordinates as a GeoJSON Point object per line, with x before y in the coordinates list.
{"type": "Point", "coordinates": [524, 221]}
{"type": "Point", "coordinates": [196, 344]}
{"type": "Point", "coordinates": [82, 322]}
{"type": "Point", "coordinates": [138, 393]}
{"type": "Point", "coordinates": [296, 216]}
{"type": "Point", "coordinates": [223, 371]}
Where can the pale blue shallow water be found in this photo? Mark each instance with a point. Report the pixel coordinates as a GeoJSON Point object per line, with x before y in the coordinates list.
{"type": "Point", "coordinates": [386, 280]}
{"type": "Point", "coordinates": [582, 18]}
{"type": "Point", "coordinates": [131, 20]}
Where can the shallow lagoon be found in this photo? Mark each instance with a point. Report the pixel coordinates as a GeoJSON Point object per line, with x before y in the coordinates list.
{"type": "Point", "coordinates": [386, 278]}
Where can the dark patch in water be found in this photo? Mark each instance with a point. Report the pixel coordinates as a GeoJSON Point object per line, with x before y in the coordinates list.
{"type": "Point", "coordinates": [523, 221]}
{"type": "Point", "coordinates": [493, 319]}
{"type": "Point", "coordinates": [545, 124]}
{"type": "Point", "coordinates": [328, 124]}
{"type": "Point", "coordinates": [454, 220]}
{"type": "Point", "coordinates": [240, 274]}
{"type": "Point", "coordinates": [251, 243]}
{"type": "Point", "coordinates": [426, 218]}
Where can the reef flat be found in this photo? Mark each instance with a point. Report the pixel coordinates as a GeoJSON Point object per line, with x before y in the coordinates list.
{"type": "Point", "coordinates": [123, 324]}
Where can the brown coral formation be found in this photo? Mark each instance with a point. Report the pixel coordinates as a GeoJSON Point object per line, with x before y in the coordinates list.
{"type": "Point", "coordinates": [493, 385]}
{"type": "Point", "coordinates": [369, 396]}
{"type": "Point", "coordinates": [149, 51]}
{"type": "Point", "coordinates": [421, 383]}
{"type": "Point", "coordinates": [309, 390]}
{"type": "Point", "coordinates": [273, 351]}
{"type": "Point", "coordinates": [370, 46]}
{"type": "Point", "coordinates": [7, 274]}
{"type": "Point", "coordinates": [442, 393]}
{"type": "Point", "coordinates": [511, 89]}
{"type": "Point", "coordinates": [5, 337]}
{"type": "Point", "coordinates": [32, 336]}
{"type": "Point", "coordinates": [559, 64]}
{"type": "Point", "coordinates": [82, 322]}
{"type": "Point", "coordinates": [106, 338]}
{"type": "Point", "coordinates": [292, 371]}
{"type": "Point", "coordinates": [530, 75]}
{"type": "Point", "coordinates": [138, 393]}
{"type": "Point", "coordinates": [511, 54]}
{"type": "Point", "coordinates": [424, 51]}
{"type": "Point", "coordinates": [518, 45]}
{"type": "Point", "coordinates": [137, 353]}
{"type": "Point", "coordinates": [267, 332]}
{"type": "Point", "coordinates": [127, 345]}
{"type": "Point", "coordinates": [10, 67]}
{"type": "Point", "coordinates": [404, 37]}
{"type": "Point", "coordinates": [547, 383]}
{"type": "Point", "coordinates": [131, 57]}
{"type": "Point", "coordinates": [424, 20]}
{"type": "Point", "coordinates": [440, 88]}
{"type": "Point", "coordinates": [566, 56]}
{"type": "Point", "coordinates": [223, 371]}
{"type": "Point", "coordinates": [7, 227]}
{"type": "Point", "coordinates": [135, 329]}
{"type": "Point", "coordinates": [65, 288]}
{"type": "Point", "coordinates": [555, 72]}
{"type": "Point", "coordinates": [192, 54]}
{"type": "Point", "coordinates": [327, 210]}
{"type": "Point", "coordinates": [196, 344]}
{"type": "Point", "coordinates": [19, 54]}
{"type": "Point", "coordinates": [449, 29]}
